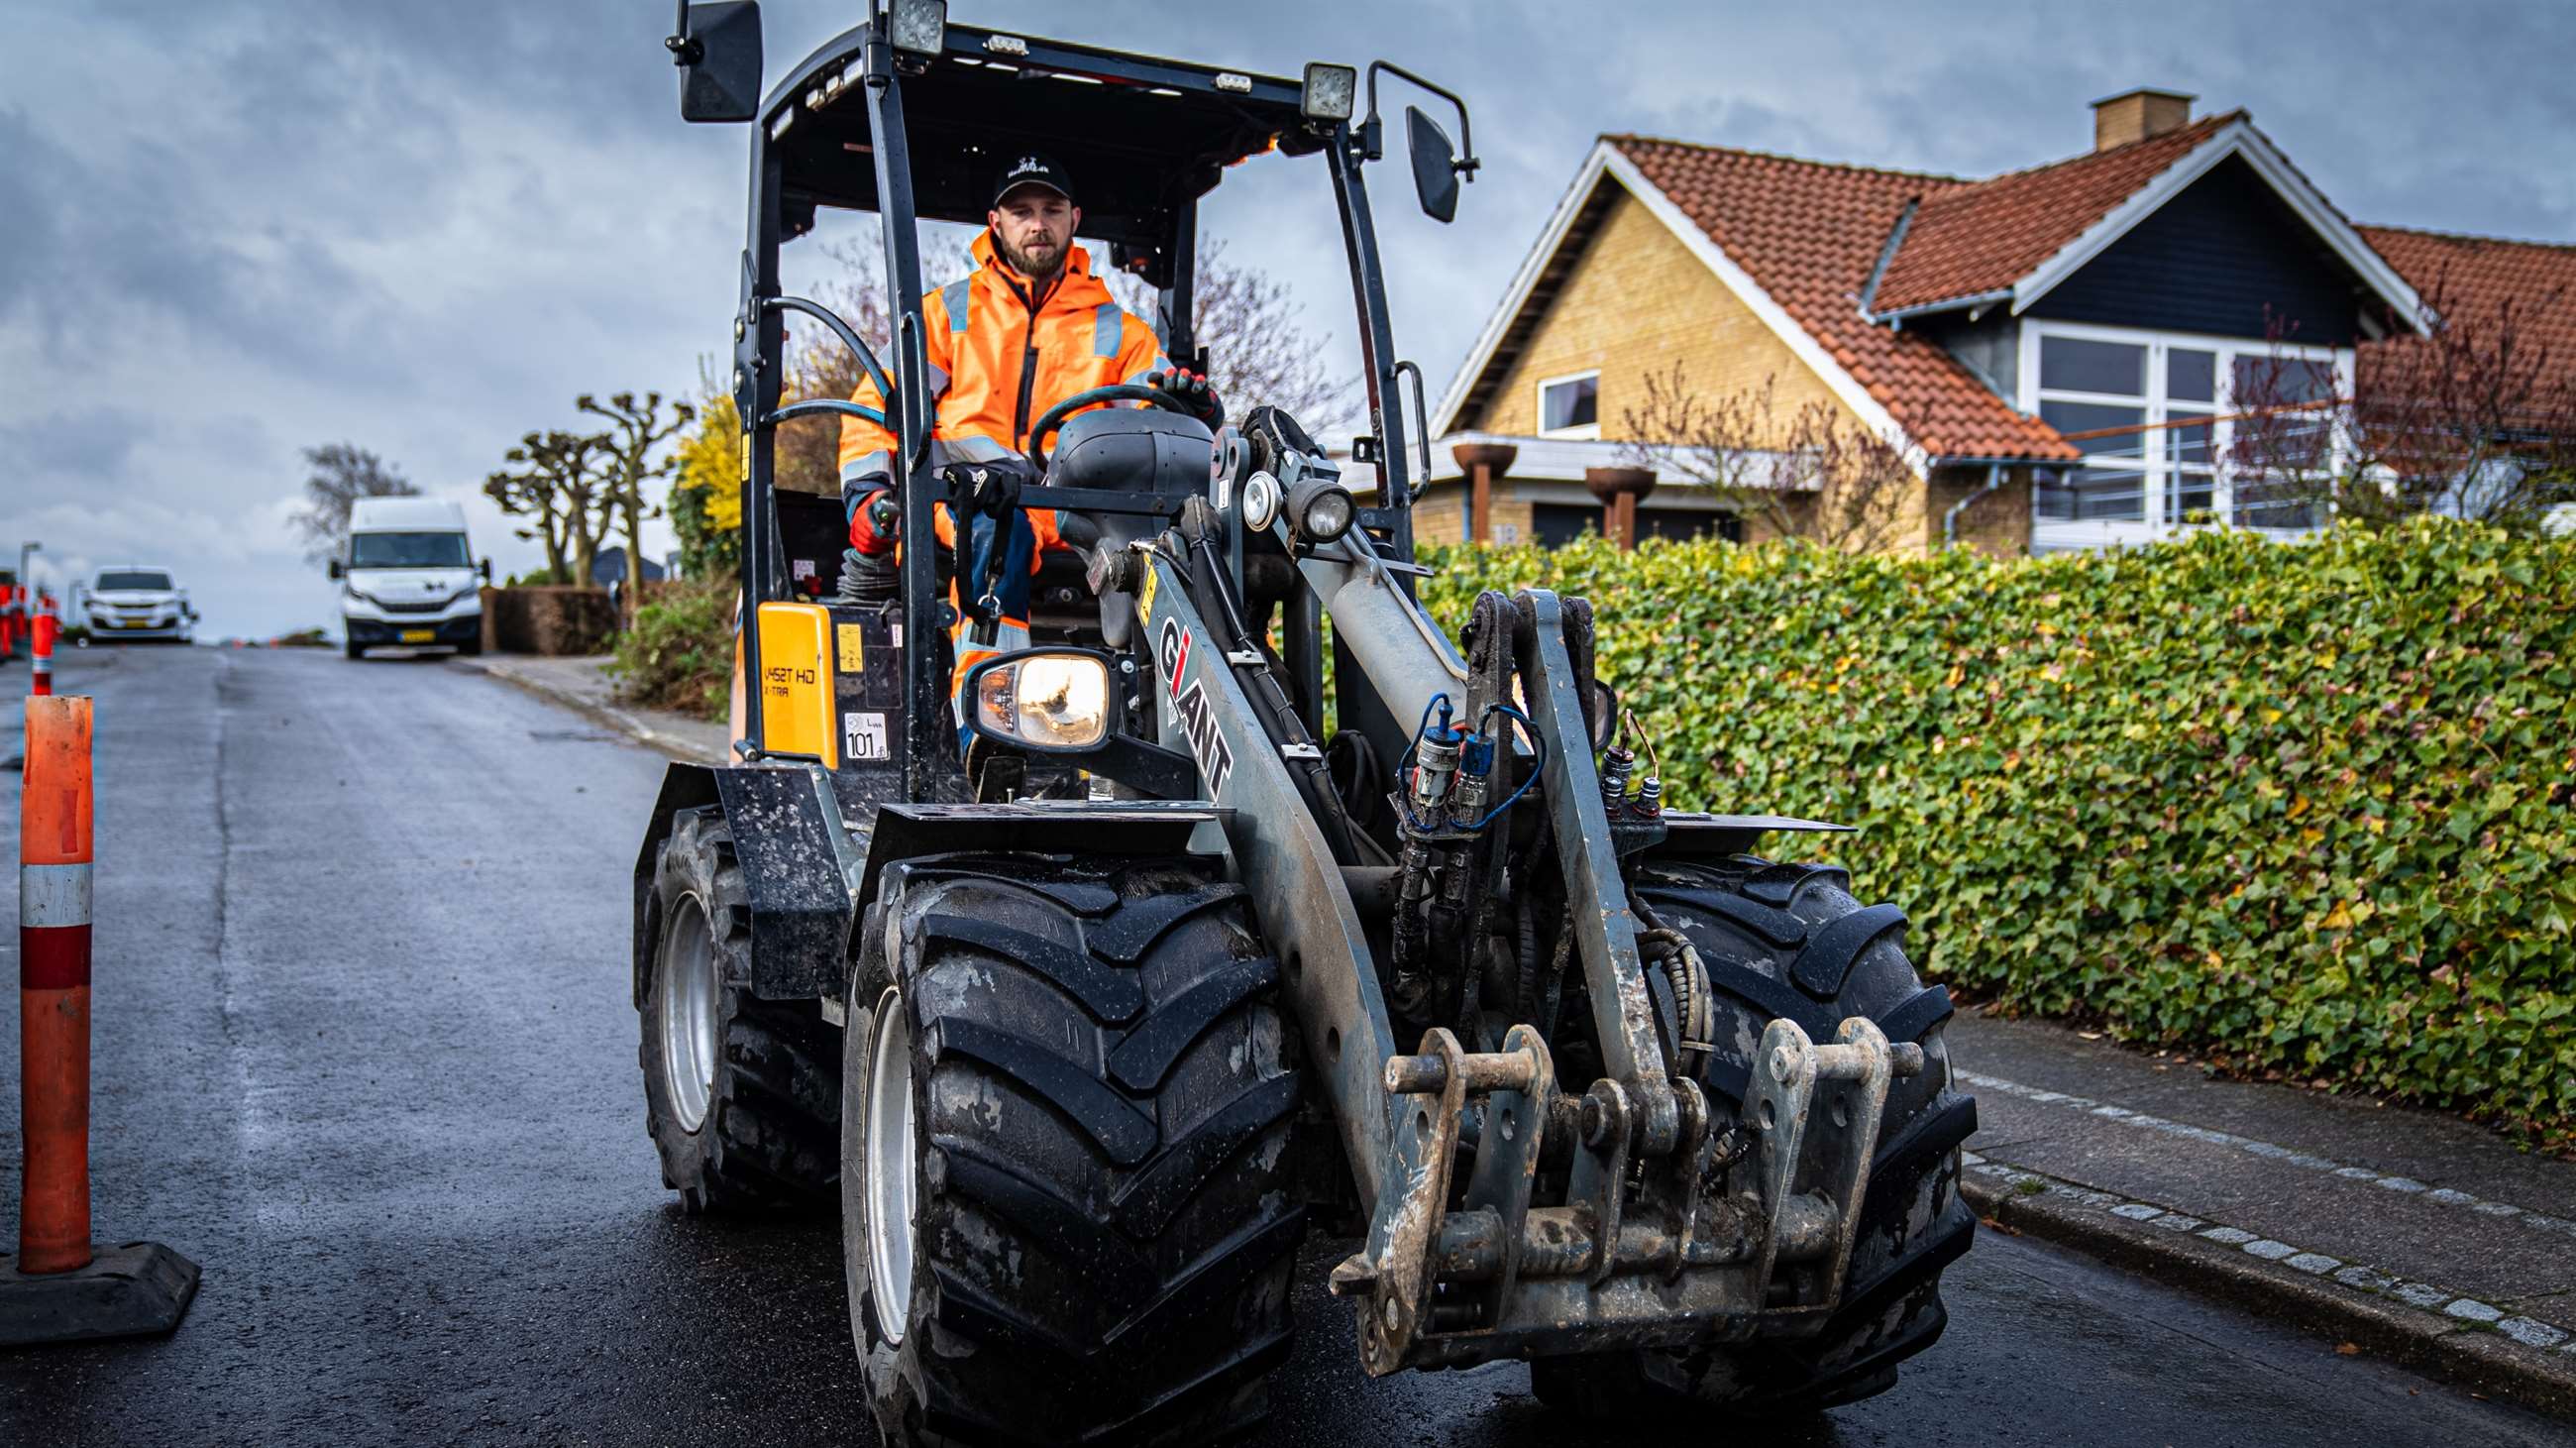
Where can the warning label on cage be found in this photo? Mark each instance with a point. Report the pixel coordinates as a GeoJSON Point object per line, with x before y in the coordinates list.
{"type": "Point", "coordinates": [863, 736]}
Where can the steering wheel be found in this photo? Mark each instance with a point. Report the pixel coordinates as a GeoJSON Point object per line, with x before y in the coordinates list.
{"type": "Point", "coordinates": [1054, 417]}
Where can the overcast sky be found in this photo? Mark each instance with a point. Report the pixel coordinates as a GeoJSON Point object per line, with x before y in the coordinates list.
{"type": "Point", "coordinates": [232, 229]}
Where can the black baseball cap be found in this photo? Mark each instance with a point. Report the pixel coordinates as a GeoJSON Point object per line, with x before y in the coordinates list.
{"type": "Point", "coordinates": [1032, 168]}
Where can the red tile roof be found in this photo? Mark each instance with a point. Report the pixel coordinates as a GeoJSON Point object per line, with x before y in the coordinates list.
{"type": "Point", "coordinates": [1808, 234]}
{"type": "Point", "coordinates": [2469, 279]}
{"type": "Point", "coordinates": [1974, 239]}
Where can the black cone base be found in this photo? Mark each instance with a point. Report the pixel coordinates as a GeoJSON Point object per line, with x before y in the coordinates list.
{"type": "Point", "coordinates": [135, 1290]}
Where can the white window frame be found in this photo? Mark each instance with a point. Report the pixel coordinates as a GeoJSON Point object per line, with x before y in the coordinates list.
{"type": "Point", "coordinates": [1589, 431]}
{"type": "Point", "coordinates": [2052, 533]}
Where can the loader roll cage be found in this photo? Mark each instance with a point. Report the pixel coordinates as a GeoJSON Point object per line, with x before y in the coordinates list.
{"type": "Point", "coordinates": [911, 134]}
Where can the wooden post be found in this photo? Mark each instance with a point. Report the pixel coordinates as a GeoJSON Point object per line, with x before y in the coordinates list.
{"type": "Point", "coordinates": [1484, 462]}
{"type": "Point", "coordinates": [1620, 490]}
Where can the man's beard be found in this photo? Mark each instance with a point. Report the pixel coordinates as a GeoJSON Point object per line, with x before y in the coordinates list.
{"type": "Point", "coordinates": [1027, 265]}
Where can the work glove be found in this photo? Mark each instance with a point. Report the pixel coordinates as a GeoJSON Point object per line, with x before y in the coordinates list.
{"type": "Point", "coordinates": [991, 489]}
{"type": "Point", "coordinates": [874, 522]}
{"type": "Point", "coordinates": [1192, 391]}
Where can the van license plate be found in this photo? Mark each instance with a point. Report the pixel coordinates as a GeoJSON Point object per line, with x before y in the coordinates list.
{"type": "Point", "coordinates": [418, 635]}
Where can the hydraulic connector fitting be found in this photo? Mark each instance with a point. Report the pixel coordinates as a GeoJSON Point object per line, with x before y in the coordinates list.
{"type": "Point", "coordinates": [1650, 798]}
{"type": "Point", "coordinates": [1475, 771]}
{"type": "Point", "coordinates": [1615, 764]}
{"type": "Point", "coordinates": [1435, 765]}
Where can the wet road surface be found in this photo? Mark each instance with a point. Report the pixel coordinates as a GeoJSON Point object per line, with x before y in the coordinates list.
{"type": "Point", "coordinates": [365, 1050]}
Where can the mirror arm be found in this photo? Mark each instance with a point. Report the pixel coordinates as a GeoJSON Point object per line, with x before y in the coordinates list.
{"type": "Point", "coordinates": [1372, 130]}
{"type": "Point", "coordinates": [686, 49]}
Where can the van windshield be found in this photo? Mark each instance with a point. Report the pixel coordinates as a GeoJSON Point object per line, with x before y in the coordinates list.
{"type": "Point", "coordinates": [408, 550]}
{"type": "Point", "coordinates": [133, 581]}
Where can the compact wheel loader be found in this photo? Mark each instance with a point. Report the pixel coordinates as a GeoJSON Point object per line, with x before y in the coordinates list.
{"type": "Point", "coordinates": [1222, 925]}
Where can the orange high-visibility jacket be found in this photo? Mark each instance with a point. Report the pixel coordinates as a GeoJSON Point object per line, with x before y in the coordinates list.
{"type": "Point", "coordinates": [995, 369]}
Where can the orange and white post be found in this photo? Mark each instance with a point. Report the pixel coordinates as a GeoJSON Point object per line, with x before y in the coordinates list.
{"type": "Point", "coordinates": [40, 679]}
{"type": "Point", "coordinates": [62, 1286]}
{"type": "Point", "coordinates": [54, 862]}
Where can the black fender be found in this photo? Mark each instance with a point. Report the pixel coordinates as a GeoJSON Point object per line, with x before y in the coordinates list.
{"type": "Point", "coordinates": [903, 832]}
{"type": "Point", "coordinates": [800, 899]}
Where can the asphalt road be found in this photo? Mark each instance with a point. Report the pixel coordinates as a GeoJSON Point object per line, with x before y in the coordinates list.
{"type": "Point", "coordinates": [364, 1049]}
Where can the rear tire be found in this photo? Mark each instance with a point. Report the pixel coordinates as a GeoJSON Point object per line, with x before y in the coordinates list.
{"type": "Point", "coordinates": [1095, 1154]}
{"type": "Point", "coordinates": [741, 1095]}
{"type": "Point", "coordinates": [1789, 940]}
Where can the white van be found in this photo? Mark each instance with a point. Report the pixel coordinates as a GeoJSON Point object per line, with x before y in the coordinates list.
{"type": "Point", "coordinates": [408, 579]}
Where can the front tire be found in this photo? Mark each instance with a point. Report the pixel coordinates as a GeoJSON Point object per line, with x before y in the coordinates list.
{"type": "Point", "coordinates": [1789, 940]}
{"type": "Point", "coordinates": [1066, 1208]}
{"type": "Point", "coordinates": [740, 1094]}
{"type": "Point", "coordinates": [352, 650]}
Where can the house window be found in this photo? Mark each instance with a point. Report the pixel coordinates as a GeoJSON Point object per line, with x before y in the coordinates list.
{"type": "Point", "coordinates": [2149, 412]}
{"type": "Point", "coordinates": [1570, 406]}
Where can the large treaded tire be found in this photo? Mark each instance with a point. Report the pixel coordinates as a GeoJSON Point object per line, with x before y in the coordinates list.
{"type": "Point", "coordinates": [1789, 940]}
{"type": "Point", "coordinates": [768, 1136]}
{"type": "Point", "coordinates": [1103, 1095]}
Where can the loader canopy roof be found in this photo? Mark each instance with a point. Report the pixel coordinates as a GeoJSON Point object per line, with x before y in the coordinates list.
{"type": "Point", "coordinates": [1139, 135]}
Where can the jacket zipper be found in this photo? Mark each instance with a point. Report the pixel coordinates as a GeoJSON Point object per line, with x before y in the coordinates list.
{"type": "Point", "coordinates": [1028, 362]}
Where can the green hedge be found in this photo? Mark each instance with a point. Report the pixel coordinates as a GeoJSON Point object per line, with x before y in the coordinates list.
{"type": "Point", "coordinates": [2300, 807]}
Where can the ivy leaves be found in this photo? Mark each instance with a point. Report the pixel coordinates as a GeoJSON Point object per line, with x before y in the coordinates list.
{"type": "Point", "coordinates": [2305, 805]}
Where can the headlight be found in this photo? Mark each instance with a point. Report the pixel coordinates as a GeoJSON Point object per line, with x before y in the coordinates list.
{"type": "Point", "coordinates": [1320, 510]}
{"type": "Point", "coordinates": [1328, 91]}
{"type": "Point", "coordinates": [919, 27]}
{"type": "Point", "coordinates": [1050, 701]}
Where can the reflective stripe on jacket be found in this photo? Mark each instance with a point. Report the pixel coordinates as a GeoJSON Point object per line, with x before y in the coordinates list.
{"type": "Point", "coordinates": [995, 369]}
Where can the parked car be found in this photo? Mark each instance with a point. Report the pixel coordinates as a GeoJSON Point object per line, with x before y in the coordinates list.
{"type": "Point", "coordinates": [135, 602]}
{"type": "Point", "coordinates": [409, 579]}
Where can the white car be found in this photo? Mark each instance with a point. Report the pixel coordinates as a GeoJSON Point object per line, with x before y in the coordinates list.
{"type": "Point", "coordinates": [409, 580]}
{"type": "Point", "coordinates": [136, 602]}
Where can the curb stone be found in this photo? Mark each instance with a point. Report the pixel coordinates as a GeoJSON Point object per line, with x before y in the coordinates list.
{"type": "Point", "coordinates": [612, 718]}
{"type": "Point", "coordinates": [2427, 1328]}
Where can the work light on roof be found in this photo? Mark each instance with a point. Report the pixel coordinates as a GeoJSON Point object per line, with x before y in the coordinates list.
{"type": "Point", "coordinates": [1328, 92]}
{"type": "Point", "coordinates": [918, 27]}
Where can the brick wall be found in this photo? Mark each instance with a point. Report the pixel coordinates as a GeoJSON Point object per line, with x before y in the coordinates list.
{"type": "Point", "coordinates": [1637, 302]}
{"type": "Point", "coordinates": [1997, 523]}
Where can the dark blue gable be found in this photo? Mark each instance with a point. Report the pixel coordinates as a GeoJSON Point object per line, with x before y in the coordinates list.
{"type": "Point", "coordinates": [2227, 257]}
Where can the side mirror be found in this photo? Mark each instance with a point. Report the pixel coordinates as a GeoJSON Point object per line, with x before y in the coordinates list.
{"type": "Point", "coordinates": [338, 569]}
{"type": "Point", "coordinates": [485, 568]}
{"type": "Point", "coordinates": [1435, 165]}
{"type": "Point", "coordinates": [718, 52]}
{"type": "Point", "coordinates": [1605, 715]}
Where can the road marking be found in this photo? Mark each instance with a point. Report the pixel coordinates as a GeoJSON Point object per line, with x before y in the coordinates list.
{"type": "Point", "coordinates": [2447, 1196]}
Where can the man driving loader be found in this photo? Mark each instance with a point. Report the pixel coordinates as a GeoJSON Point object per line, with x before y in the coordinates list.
{"type": "Point", "coordinates": [1031, 326]}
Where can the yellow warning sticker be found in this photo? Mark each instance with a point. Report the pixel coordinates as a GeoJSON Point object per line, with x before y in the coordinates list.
{"type": "Point", "coordinates": [847, 638]}
{"type": "Point", "coordinates": [1145, 595]}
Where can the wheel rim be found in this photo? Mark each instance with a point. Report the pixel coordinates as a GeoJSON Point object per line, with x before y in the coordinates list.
{"type": "Point", "coordinates": [688, 989]}
{"type": "Point", "coordinates": [890, 1166]}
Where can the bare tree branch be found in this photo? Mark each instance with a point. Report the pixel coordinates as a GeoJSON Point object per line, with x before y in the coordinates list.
{"type": "Point", "coordinates": [1811, 472]}
{"type": "Point", "coordinates": [2474, 419]}
{"type": "Point", "coordinates": [342, 473]}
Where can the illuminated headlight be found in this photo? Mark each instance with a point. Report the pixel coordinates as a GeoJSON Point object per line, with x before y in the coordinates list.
{"type": "Point", "coordinates": [1050, 701]}
{"type": "Point", "coordinates": [1328, 92]}
{"type": "Point", "coordinates": [918, 27]}
{"type": "Point", "coordinates": [1320, 510]}
{"type": "Point", "coordinates": [1260, 502]}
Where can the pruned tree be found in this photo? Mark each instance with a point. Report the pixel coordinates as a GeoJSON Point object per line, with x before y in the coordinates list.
{"type": "Point", "coordinates": [1812, 471]}
{"type": "Point", "coordinates": [1259, 351]}
{"type": "Point", "coordinates": [560, 485]}
{"type": "Point", "coordinates": [342, 473]}
{"type": "Point", "coordinates": [2475, 418]}
{"type": "Point", "coordinates": [635, 431]}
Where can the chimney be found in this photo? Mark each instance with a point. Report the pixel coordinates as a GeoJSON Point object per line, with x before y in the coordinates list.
{"type": "Point", "coordinates": [2134, 115]}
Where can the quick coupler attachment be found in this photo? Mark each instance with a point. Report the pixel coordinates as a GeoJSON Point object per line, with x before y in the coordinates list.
{"type": "Point", "coordinates": [1643, 1249]}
